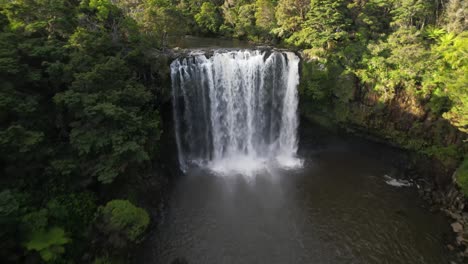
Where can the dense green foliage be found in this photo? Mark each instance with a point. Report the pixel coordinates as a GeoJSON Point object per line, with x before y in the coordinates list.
{"type": "Point", "coordinates": [122, 222]}
{"type": "Point", "coordinates": [208, 19]}
{"type": "Point", "coordinates": [77, 110]}
{"type": "Point", "coordinates": [48, 243]}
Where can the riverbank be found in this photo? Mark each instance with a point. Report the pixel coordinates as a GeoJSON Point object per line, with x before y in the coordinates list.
{"type": "Point", "coordinates": [448, 198]}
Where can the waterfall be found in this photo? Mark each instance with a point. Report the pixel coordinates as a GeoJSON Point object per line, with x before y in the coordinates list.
{"type": "Point", "coordinates": [236, 111]}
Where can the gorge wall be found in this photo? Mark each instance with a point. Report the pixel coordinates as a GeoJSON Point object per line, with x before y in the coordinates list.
{"type": "Point", "coordinates": [330, 96]}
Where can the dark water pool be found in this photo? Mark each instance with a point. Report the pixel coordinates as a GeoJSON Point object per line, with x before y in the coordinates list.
{"type": "Point", "coordinates": [337, 209]}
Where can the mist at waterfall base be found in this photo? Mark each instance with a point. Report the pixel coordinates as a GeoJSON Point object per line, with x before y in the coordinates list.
{"type": "Point", "coordinates": [235, 112]}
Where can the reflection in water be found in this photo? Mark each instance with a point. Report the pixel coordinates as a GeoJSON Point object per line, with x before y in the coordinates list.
{"type": "Point", "coordinates": [336, 209]}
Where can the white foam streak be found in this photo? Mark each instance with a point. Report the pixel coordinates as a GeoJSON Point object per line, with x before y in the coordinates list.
{"type": "Point", "coordinates": [397, 182]}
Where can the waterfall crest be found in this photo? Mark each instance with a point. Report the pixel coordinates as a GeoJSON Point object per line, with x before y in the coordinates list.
{"type": "Point", "coordinates": [236, 111]}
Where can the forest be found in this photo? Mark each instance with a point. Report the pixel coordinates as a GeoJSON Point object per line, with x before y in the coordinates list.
{"type": "Point", "coordinates": [81, 96]}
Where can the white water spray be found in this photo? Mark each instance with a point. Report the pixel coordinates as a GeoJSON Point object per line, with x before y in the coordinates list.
{"type": "Point", "coordinates": [236, 112]}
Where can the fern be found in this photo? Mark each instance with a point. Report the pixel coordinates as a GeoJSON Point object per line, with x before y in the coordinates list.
{"type": "Point", "coordinates": [49, 243]}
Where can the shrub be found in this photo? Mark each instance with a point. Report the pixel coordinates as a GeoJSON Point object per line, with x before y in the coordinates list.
{"type": "Point", "coordinates": [122, 222]}
{"type": "Point", "coordinates": [462, 176]}
{"type": "Point", "coordinates": [49, 243]}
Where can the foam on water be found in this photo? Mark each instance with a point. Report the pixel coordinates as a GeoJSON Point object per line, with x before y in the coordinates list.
{"type": "Point", "coordinates": [397, 182]}
{"type": "Point", "coordinates": [241, 164]}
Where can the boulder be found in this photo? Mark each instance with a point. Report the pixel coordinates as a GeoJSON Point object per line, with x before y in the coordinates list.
{"type": "Point", "coordinates": [457, 227]}
{"type": "Point", "coordinates": [455, 216]}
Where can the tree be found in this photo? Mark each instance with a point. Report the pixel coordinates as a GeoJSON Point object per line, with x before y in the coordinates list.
{"type": "Point", "coordinates": [394, 63]}
{"type": "Point", "coordinates": [32, 53]}
{"type": "Point", "coordinates": [208, 18]}
{"type": "Point", "coordinates": [371, 18]}
{"type": "Point", "coordinates": [290, 14]}
{"type": "Point", "coordinates": [107, 98]}
{"type": "Point", "coordinates": [408, 13]}
{"type": "Point", "coordinates": [456, 16]}
{"type": "Point", "coordinates": [265, 15]}
{"type": "Point", "coordinates": [121, 222]}
{"type": "Point", "coordinates": [245, 24]}
{"type": "Point", "coordinates": [450, 76]}
{"type": "Point", "coordinates": [325, 26]}
{"type": "Point", "coordinates": [109, 127]}
{"type": "Point", "coordinates": [56, 102]}
{"type": "Point", "coordinates": [239, 19]}
{"type": "Point", "coordinates": [161, 18]}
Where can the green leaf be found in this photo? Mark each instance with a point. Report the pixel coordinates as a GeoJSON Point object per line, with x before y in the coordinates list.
{"type": "Point", "coordinates": [49, 243]}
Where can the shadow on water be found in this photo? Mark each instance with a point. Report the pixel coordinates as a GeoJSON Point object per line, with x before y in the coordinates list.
{"type": "Point", "coordinates": [337, 209]}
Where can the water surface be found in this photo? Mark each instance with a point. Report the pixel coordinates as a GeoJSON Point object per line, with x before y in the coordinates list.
{"type": "Point", "coordinates": [337, 209]}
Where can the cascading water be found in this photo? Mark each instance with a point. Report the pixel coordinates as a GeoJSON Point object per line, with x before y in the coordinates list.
{"type": "Point", "coordinates": [236, 111]}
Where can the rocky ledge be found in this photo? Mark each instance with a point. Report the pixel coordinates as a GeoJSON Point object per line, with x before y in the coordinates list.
{"type": "Point", "coordinates": [176, 52]}
{"type": "Point", "coordinates": [453, 203]}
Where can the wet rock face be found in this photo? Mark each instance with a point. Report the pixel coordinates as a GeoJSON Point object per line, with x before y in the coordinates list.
{"type": "Point", "coordinates": [402, 119]}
